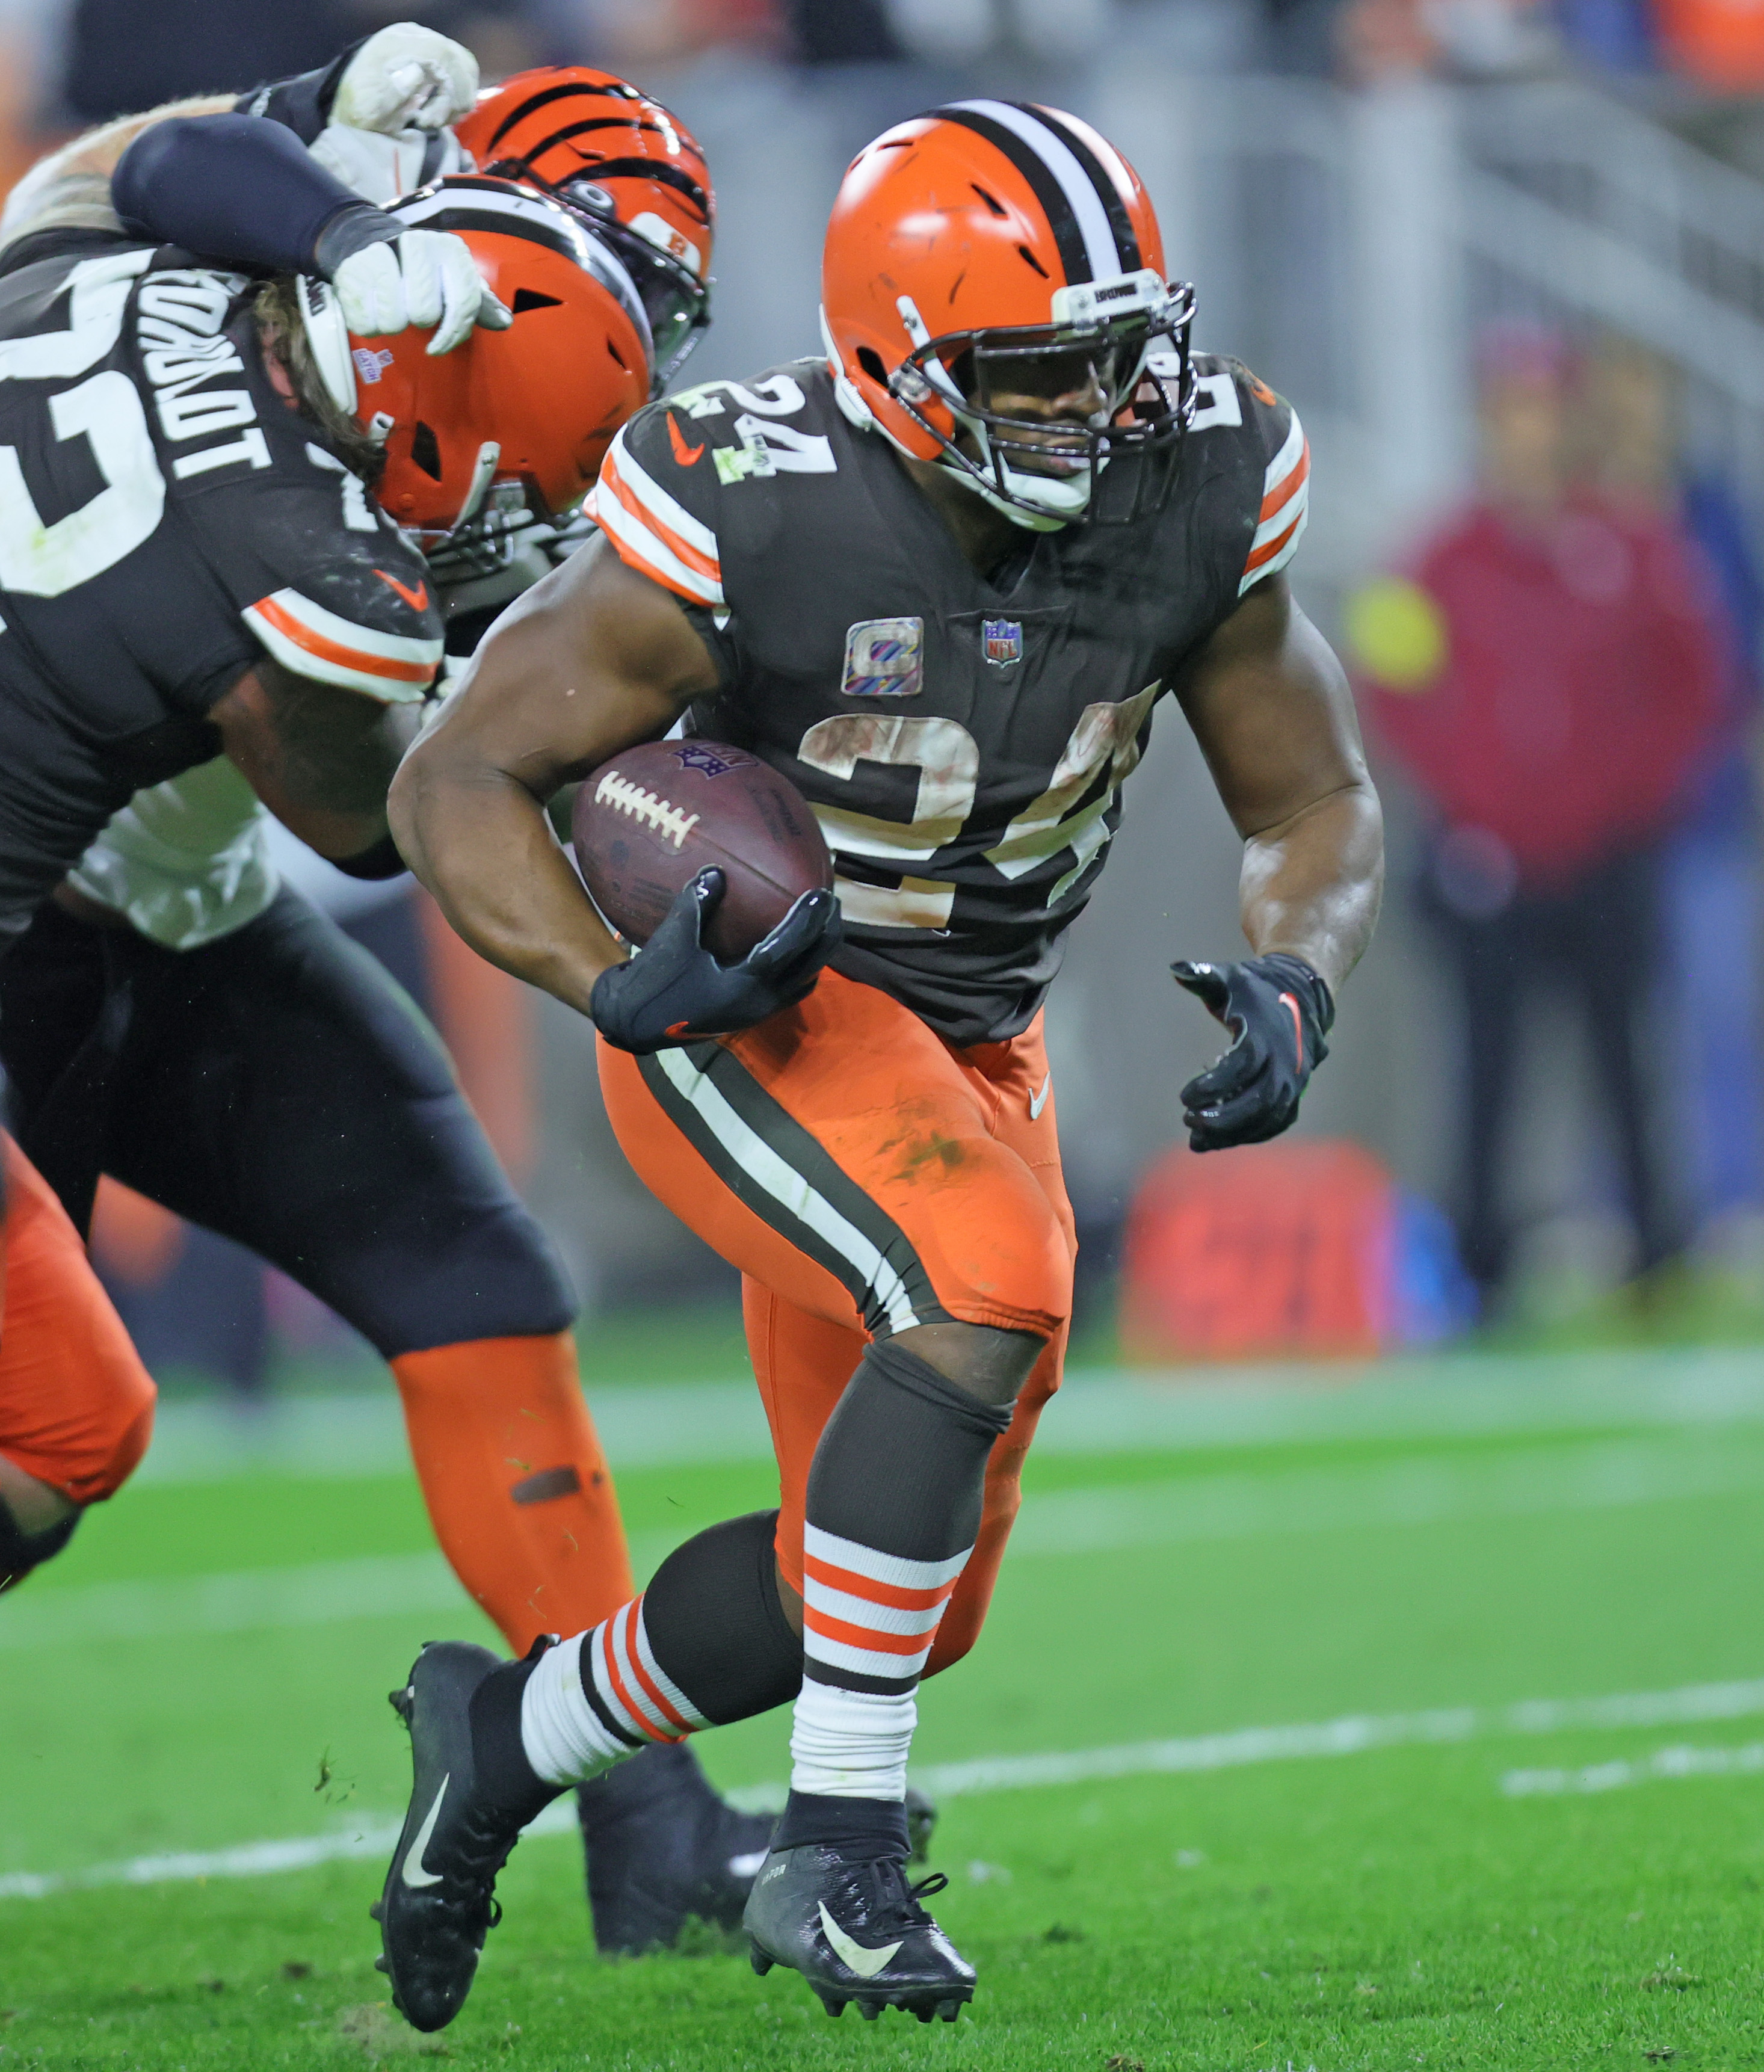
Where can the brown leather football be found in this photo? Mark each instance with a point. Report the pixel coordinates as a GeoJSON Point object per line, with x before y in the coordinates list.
{"type": "Point", "coordinates": [647, 822]}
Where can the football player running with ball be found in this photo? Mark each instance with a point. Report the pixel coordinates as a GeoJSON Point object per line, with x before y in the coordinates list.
{"type": "Point", "coordinates": [216, 612]}
{"type": "Point", "coordinates": [939, 578]}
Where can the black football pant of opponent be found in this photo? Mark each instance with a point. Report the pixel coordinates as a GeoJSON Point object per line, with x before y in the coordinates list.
{"type": "Point", "coordinates": [1594, 942]}
{"type": "Point", "coordinates": [276, 1087]}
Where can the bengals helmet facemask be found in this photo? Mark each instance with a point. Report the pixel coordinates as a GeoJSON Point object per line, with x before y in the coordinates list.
{"type": "Point", "coordinates": [598, 145]}
{"type": "Point", "coordinates": [511, 424]}
{"type": "Point", "coordinates": [990, 256]}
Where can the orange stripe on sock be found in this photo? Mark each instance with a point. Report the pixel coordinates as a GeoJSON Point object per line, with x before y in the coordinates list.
{"type": "Point", "coordinates": [866, 1637]}
{"type": "Point", "coordinates": [890, 1594]}
{"type": "Point", "coordinates": [643, 1677]}
{"type": "Point", "coordinates": [634, 1712]}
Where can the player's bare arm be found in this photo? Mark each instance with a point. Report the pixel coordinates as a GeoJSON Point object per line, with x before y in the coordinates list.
{"type": "Point", "coordinates": [1272, 710]}
{"type": "Point", "coordinates": [591, 660]}
{"type": "Point", "coordinates": [320, 758]}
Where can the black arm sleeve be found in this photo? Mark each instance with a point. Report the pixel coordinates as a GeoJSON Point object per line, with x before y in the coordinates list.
{"type": "Point", "coordinates": [301, 104]}
{"type": "Point", "coordinates": [231, 188]}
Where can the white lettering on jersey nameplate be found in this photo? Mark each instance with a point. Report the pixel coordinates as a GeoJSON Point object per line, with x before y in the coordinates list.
{"type": "Point", "coordinates": [885, 658]}
{"type": "Point", "coordinates": [178, 323]}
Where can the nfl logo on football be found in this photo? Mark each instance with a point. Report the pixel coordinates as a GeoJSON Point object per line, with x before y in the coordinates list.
{"type": "Point", "coordinates": [1002, 641]}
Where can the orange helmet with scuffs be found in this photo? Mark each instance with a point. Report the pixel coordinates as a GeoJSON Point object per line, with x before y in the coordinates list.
{"type": "Point", "coordinates": [993, 251]}
{"type": "Point", "coordinates": [599, 144]}
{"type": "Point", "coordinates": [509, 422]}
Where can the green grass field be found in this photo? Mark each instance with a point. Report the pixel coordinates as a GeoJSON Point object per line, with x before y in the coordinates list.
{"type": "Point", "coordinates": [1424, 1871]}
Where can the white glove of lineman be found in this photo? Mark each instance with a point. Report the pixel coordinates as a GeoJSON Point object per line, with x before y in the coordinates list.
{"type": "Point", "coordinates": [406, 77]}
{"type": "Point", "coordinates": [426, 278]}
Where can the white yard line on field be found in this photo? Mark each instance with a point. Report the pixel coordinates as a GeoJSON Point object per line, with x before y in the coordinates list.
{"type": "Point", "coordinates": [1576, 1477]}
{"type": "Point", "coordinates": [1246, 1745]}
{"type": "Point", "coordinates": [1677, 1760]}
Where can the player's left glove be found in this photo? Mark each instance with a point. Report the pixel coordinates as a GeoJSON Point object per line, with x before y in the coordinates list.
{"type": "Point", "coordinates": [1279, 1011]}
{"type": "Point", "coordinates": [674, 991]}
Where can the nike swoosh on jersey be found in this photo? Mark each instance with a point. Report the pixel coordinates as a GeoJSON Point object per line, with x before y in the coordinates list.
{"type": "Point", "coordinates": [1037, 1100]}
{"type": "Point", "coordinates": [417, 598]}
{"type": "Point", "coordinates": [676, 439]}
{"type": "Point", "coordinates": [866, 1964]}
{"type": "Point", "coordinates": [418, 1878]}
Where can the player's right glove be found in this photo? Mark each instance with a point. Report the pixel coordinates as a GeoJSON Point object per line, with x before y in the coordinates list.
{"type": "Point", "coordinates": [1278, 1010]}
{"type": "Point", "coordinates": [674, 991]}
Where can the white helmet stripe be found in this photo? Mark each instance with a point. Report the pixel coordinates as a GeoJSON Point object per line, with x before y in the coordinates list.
{"type": "Point", "coordinates": [1075, 183]}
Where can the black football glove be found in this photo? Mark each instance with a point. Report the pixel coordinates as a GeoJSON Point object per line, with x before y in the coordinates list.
{"type": "Point", "coordinates": [1278, 1010]}
{"type": "Point", "coordinates": [674, 991]}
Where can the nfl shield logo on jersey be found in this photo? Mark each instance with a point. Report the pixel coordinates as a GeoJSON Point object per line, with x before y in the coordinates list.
{"type": "Point", "coordinates": [1002, 641]}
{"type": "Point", "coordinates": [885, 658]}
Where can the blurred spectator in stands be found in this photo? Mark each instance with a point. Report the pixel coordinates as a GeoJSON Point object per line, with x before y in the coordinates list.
{"type": "Point", "coordinates": [1712, 912]}
{"type": "Point", "coordinates": [1549, 673]}
{"type": "Point", "coordinates": [122, 56]}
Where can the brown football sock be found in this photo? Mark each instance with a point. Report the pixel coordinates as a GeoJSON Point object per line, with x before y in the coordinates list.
{"type": "Point", "coordinates": [517, 1488]}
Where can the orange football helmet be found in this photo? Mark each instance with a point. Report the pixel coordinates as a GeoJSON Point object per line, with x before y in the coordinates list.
{"type": "Point", "coordinates": [597, 144]}
{"type": "Point", "coordinates": [510, 421]}
{"type": "Point", "coordinates": [992, 251]}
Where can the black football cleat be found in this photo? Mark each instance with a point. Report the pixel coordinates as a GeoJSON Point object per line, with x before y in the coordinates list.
{"type": "Point", "coordinates": [437, 1903]}
{"type": "Point", "coordinates": [855, 1929]}
{"type": "Point", "coordinates": [663, 1849]}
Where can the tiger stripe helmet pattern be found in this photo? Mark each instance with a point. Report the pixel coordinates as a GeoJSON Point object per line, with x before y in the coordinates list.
{"type": "Point", "coordinates": [597, 144]}
{"type": "Point", "coordinates": [968, 240]}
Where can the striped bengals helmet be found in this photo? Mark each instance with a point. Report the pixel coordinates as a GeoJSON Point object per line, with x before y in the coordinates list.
{"type": "Point", "coordinates": [598, 145]}
{"type": "Point", "coordinates": [989, 253]}
{"type": "Point", "coordinates": [514, 421]}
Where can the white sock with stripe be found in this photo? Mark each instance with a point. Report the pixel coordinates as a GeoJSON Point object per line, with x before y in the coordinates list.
{"type": "Point", "coordinates": [601, 1695]}
{"type": "Point", "coordinates": [870, 1615]}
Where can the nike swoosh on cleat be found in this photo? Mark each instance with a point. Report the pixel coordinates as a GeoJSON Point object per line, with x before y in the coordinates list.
{"type": "Point", "coordinates": [417, 598]}
{"type": "Point", "coordinates": [1037, 1100]}
{"type": "Point", "coordinates": [866, 1964]}
{"type": "Point", "coordinates": [419, 1877]}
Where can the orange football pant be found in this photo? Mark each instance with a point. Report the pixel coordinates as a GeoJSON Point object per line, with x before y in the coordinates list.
{"type": "Point", "coordinates": [516, 1486]}
{"type": "Point", "coordinates": [76, 1402]}
{"type": "Point", "coordinates": [865, 1177]}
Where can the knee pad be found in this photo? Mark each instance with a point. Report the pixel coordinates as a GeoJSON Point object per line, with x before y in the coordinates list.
{"type": "Point", "coordinates": [20, 1552]}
